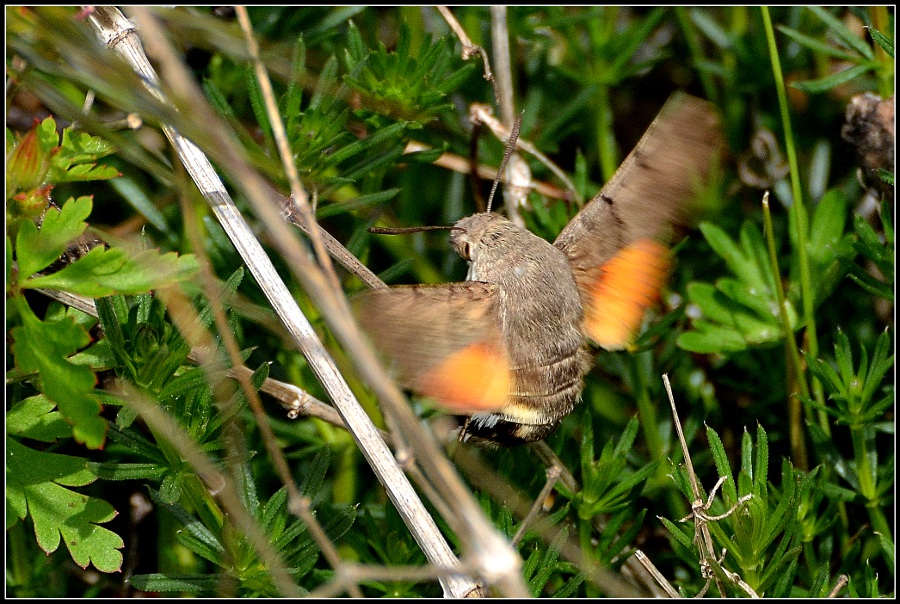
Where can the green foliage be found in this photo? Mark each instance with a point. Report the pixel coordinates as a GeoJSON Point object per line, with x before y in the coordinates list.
{"type": "Point", "coordinates": [860, 399]}
{"type": "Point", "coordinates": [608, 485]}
{"type": "Point", "coordinates": [761, 529]}
{"type": "Point", "coordinates": [240, 569]}
{"type": "Point", "coordinates": [38, 158]}
{"type": "Point", "coordinates": [43, 348]}
{"type": "Point", "coordinates": [36, 484]}
{"type": "Point", "coordinates": [399, 82]}
{"type": "Point", "coordinates": [877, 249]}
{"type": "Point", "coordinates": [740, 311]}
{"type": "Point", "coordinates": [850, 49]}
{"type": "Point", "coordinates": [101, 271]}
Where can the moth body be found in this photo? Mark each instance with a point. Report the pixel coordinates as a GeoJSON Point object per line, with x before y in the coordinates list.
{"type": "Point", "coordinates": [540, 314]}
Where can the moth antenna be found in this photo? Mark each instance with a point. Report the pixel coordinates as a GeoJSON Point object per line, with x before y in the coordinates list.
{"type": "Point", "coordinates": [404, 230]}
{"type": "Point", "coordinates": [510, 147]}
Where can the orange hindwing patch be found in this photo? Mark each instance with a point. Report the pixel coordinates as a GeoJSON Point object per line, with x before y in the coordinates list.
{"type": "Point", "coordinates": [627, 285]}
{"type": "Point", "coordinates": [474, 379]}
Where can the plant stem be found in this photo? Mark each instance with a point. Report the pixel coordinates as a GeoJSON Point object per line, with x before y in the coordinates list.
{"type": "Point", "coordinates": [867, 482]}
{"type": "Point", "coordinates": [18, 562]}
{"type": "Point", "coordinates": [795, 365]}
{"type": "Point", "coordinates": [606, 142]}
{"type": "Point", "coordinates": [800, 217]}
{"type": "Point", "coordinates": [646, 409]}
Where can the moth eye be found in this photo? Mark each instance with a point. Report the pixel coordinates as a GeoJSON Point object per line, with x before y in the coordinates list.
{"type": "Point", "coordinates": [465, 251]}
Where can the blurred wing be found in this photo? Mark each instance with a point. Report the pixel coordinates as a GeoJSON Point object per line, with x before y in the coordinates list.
{"type": "Point", "coordinates": [444, 341]}
{"type": "Point", "coordinates": [613, 243]}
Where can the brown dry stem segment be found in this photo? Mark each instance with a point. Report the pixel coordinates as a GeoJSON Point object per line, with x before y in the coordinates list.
{"type": "Point", "coordinates": [624, 289]}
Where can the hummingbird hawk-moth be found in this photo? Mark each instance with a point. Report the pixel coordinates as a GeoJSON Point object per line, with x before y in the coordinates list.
{"type": "Point", "coordinates": [507, 347]}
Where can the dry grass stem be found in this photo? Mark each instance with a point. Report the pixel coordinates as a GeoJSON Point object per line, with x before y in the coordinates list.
{"type": "Point", "coordinates": [469, 50]}
{"type": "Point", "coordinates": [699, 509]}
{"type": "Point", "coordinates": [648, 565]}
{"type": "Point", "coordinates": [298, 194]}
{"type": "Point", "coordinates": [485, 479]}
{"type": "Point", "coordinates": [553, 473]}
{"type": "Point", "coordinates": [480, 113]}
{"type": "Point", "coordinates": [518, 173]}
{"type": "Point", "coordinates": [842, 582]}
{"type": "Point", "coordinates": [500, 563]}
{"type": "Point", "coordinates": [461, 165]}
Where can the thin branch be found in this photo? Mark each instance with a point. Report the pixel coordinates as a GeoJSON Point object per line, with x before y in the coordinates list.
{"type": "Point", "coordinates": [284, 150]}
{"type": "Point", "coordinates": [462, 165]}
{"type": "Point", "coordinates": [546, 454]}
{"type": "Point", "coordinates": [484, 478]}
{"type": "Point", "coordinates": [295, 400]}
{"type": "Point", "coordinates": [297, 503]}
{"type": "Point", "coordinates": [469, 50]}
{"type": "Point", "coordinates": [704, 539]}
{"type": "Point", "coordinates": [553, 473]}
{"type": "Point", "coordinates": [289, 213]}
{"type": "Point", "coordinates": [654, 572]}
{"type": "Point", "coordinates": [480, 113]}
{"type": "Point", "coordinates": [518, 173]}
{"type": "Point", "coordinates": [499, 563]}
{"type": "Point", "coordinates": [838, 586]}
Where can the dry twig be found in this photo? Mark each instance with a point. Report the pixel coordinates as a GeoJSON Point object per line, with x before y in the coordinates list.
{"type": "Point", "coordinates": [701, 518]}
{"type": "Point", "coordinates": [498, 563]}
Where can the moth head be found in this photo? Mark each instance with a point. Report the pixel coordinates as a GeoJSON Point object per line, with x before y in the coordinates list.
{"type": "Point", "coordinates": [473, 233]}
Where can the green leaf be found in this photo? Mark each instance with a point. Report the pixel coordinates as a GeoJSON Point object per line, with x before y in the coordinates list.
{"type": "Point", "coordinates": [726, 326]}
{"type": "Point", "coordinates": [833, 80]}
{"type": "Point", "coordinates": [127, 471]}
{"type": "Point", "coordinates": [722, 465]}
{"type": "Point", "coordinates": [747, 261]}
{"type": "Point", "coordinates": [828, 226]}
{"type": "Point", "coordinates": [43, 347]}
{"type": "Point", "coordinates": [364, 201]}
{"type": "Point", "coordinates": [712, 29]}
{"type": "Point", "coordinates": [35, 418]}
{"type": "Point", "coordinates": [315, 475]}
{"type": "Point", "coordinates": [47, 137]}
{"type": "Point", "coordinates": [883, 41]}
{"type": "Point", "coordinates": [680, 535]}
{"type": "Point", "coordinates": [844, 33]}
{"type": "Point", "coordinates": [36, 484]}
{"type": "Point", "coordinates": [181, 583]}
{"type": "Point", "coordinates": [133, 193]}
{"type": "Point", "coordinates": [36, 250]}
{"type": "Point", "coordinates": [761, 469]}
{"type": "Point", "coordinates": [103, 272]}
{"type": "Point", "coordinates": [196, 537]}
{"type": "Point", "coordinates": [816, 45]}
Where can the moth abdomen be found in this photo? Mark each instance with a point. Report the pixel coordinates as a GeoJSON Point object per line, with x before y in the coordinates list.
{"type": "Point", "coordinates": [541, 397]}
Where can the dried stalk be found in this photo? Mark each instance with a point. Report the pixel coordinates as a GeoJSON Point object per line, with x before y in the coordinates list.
{"type": "Point", "coordinates": [469, 49]}
{"type": "Point", "coordinates": [517, 173]}
{"type": "Point", "coordinates": [497, 563]}
{"type": "Point", "coordinates": [702, 535]}
{"type": "Point", "coordinates": [482, 114]}
{"type": "Point", "coordinates": [654, 572]}
{"type": "Point", "coordinates": [460, 164]}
